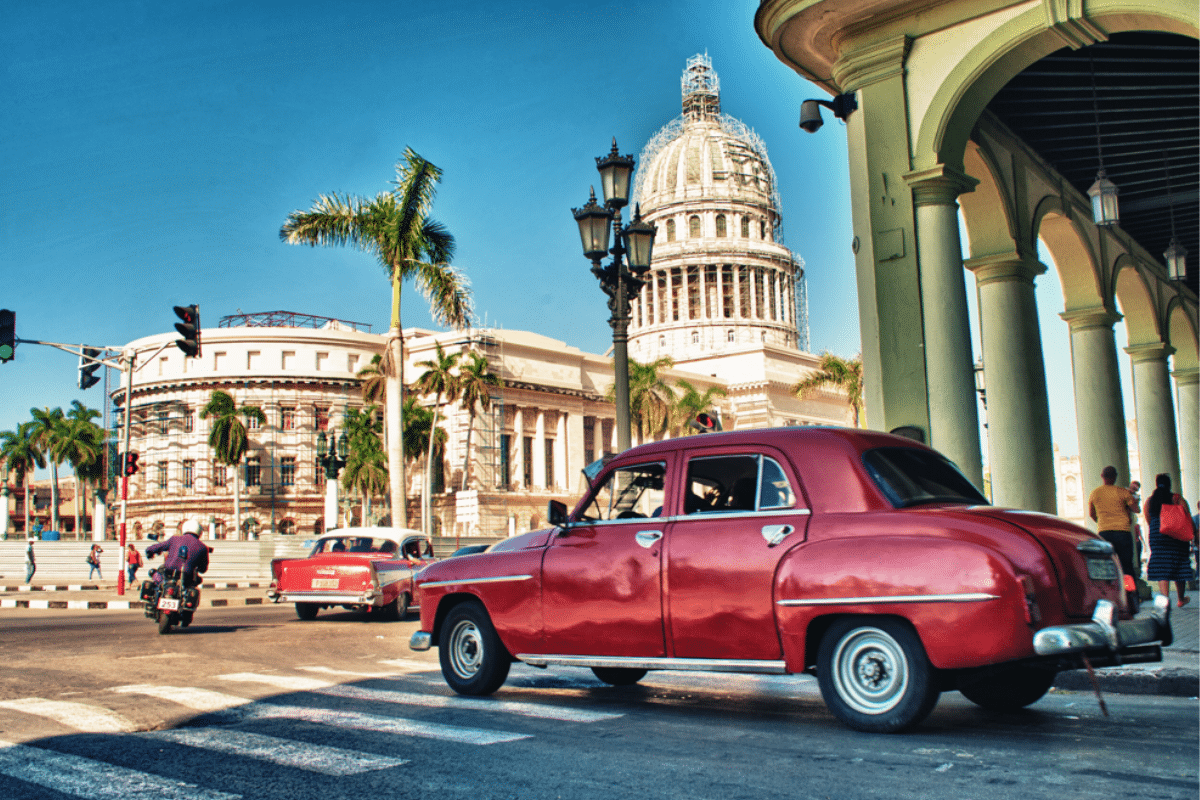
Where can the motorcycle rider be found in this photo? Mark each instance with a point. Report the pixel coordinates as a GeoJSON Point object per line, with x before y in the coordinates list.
{"type": "Point", "coordinates": [196, 559]}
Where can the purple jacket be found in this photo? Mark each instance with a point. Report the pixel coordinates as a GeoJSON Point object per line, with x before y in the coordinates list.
{"type": "Point", "coordinates": [197, 553]}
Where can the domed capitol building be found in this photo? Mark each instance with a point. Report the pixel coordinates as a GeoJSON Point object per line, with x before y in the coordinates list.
{"type": "Point", "coordinates": [724, 300]}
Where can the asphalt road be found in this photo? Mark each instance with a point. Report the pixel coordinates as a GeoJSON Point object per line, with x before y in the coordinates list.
{"type": "Point", "coordinates": [250, 702]}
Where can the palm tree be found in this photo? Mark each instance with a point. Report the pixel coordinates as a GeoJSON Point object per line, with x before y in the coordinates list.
{"type": "Point", "coordinates": [374, 385]}
{"type": "Point", "coordinates": [80, 443]}
{"type": "Point", "coordinates": [21, 454]}
{"type": "Point", "coordinates": [48, 428]}
{"type": "Point", "coordinates": [650, 397]}
{"type": "Point", "coordinates": [693, 403]}
{"type": "Point", "coordinates": [396, 227]}
{"type": "Point", "coordinates": [836, 373]}
{"type": "Point", "coordinates": [366, 464]}
{"type": "Point", "coordinates": [227, 437]}
{"type": "Point", "coordinates": [418, 424]}
{"type": "Point", "coordinates": [439, 380]}
{"type": "Point", "coordinates": [474, 381]}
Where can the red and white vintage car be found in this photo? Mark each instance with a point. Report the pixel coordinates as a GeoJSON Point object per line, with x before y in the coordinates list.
{"type": "Point", "coordinates": [367, 569]}
{"type": "Point", "coordinates": [865, 558]}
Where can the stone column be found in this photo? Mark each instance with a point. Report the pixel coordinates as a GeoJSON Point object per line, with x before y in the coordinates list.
{"type": "Point", "coordinates": [5, 493]}
{"type": "Point", "coordinates": [539, 450]}
{"type": "Point", "coordinates": [1187, 382]}
{"type": "Point", "coordinates": [1157, 447]}
{"type": "Point", "coordinates": [99, 514]}
{"type": "Point", "coordinates": [518, 445]}
{"type": "Point", "coordinates": [1019, 444]}
{"type": "Point", "coordinates": [560, 451]}
{"type": "Point", "coordinates": [574, 462]}
{"type": "Point", "coordinates": [949, 364]}
{"type": "Point", "coordinates": [1099, 407]}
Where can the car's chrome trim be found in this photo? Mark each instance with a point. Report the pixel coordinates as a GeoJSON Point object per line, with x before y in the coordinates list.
{"type": "Point", "coordinates": [762, 512]}
{"type": "Point", "coordinates": [420, 641]}
{"type": "Point", "coordinates": [963, 597]}
{"type": "Point", "coordinates": [499, 579]}
{"type": "Point", "coordinates": [639, 662]}
{"type": "Point", "coordinates": [368, 597]}
{"type": "Point", "coordinates": [1107, 633]}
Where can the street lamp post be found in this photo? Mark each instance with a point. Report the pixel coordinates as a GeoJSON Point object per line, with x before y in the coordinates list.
{"type": "Point", "coordinates": [332, 462]}
{"type": "Point", "coordinates": [622, 278]}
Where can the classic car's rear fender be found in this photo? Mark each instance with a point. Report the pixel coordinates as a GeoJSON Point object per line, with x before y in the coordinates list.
{"type": "Point", "coordinates": [966, 602]}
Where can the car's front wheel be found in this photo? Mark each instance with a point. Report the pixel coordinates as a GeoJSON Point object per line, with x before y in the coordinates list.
{"type": "Point", "coordinates": [619, 676]}
{"type": "Point", "coordinates": [874, 674]}
{"type": "Point", "coordinates": [1006, 688]}
{"type": "Point", "coordinates": [474, 661]}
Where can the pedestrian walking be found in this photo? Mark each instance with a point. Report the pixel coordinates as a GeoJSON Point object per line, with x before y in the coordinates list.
{"type": "Point", "coordinates": [1170, 559]}
{"type": "Point", "coordinates": [30, 562]}
{"type": "Point", "coordinates": [132, 561]}
{"type": "Point", "coordinates": [93, 561]}
{"type": "Point", "coordinates": [1112, 508]}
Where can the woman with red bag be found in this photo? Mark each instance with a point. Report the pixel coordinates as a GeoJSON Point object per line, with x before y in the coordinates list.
{"type": "Point", "coordinates": [1169, 557]}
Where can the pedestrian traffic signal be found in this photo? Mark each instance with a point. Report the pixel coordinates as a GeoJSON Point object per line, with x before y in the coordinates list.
{"type": "Point", "coordinates": [8, 335]}
{"type": "Point", "coordinates": [189, 329]}
{"type": "Point", "coordinates": [131, 465]}
{"type": "Point", "coordinates": [88, 366]}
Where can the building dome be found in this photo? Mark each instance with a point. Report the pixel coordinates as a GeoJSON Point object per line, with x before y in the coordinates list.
{"type": "Point", "coordinates": [722, 278]}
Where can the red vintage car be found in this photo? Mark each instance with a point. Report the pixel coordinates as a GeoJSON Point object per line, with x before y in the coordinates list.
{"type": "Point", "coordinates": [366, 569]}
{"type": "Point", "coordinates": [863, 557]}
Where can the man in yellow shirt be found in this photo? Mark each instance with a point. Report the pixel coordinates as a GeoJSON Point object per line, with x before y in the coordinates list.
{"type": "Point", "coordinates": [1111, 506]}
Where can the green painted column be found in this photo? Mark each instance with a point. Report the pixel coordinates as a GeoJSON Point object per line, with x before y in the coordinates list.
{"type": "Point", "coordinates": [1187, 390]}
{"type": "Point", "coordinates": [1099, 406]}
{"type": "Point", "coordinates": [889, 291]}
{"type": "Point", "coordinates": [1021, 453]}
{"type": "Point", "coordinates": [949, 365]}
{"type": "Point", "coordinates": [1157, 447]}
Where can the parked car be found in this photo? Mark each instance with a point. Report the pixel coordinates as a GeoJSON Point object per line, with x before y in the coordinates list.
{"type": "Point", "coordinates": [865, 558]}
{"type": "Point", "coordinates": [366, 569]}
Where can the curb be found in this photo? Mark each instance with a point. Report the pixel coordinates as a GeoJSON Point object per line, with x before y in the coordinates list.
{"type": "Point", "coordinates": [1165, 681]}
{"type": "Point", "coordinates": [115, 604]}
{"type": "Point", "coordinates": [75, 587]}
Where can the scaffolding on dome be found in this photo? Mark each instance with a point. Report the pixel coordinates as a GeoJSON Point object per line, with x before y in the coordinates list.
{"type": "Point", "coordinates": [802, 340]}
{"type": "Point", "coordinates": [289, 319]}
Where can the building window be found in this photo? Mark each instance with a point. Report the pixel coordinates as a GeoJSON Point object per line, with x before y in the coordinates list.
{"type": "Point", "coordinates": [502, 480]}
{"type": "Point", "coordinates": [189, 420]}
{"type": "Point", "coordinates": [745, 227]}
{"type": "Point", "coordinates": [320, 418]}
{"type": "Point", "coordinates": [694, 227]}
{"type": "Point", "coordinates": [252, 423]}
{"type": "Point", "coordinates": [161, 475]}
{"type": "Point", "coordinates": [218, 475]}
{"type": "Point", "coordinates": [695, 337]}
{"type": "Point", "coordinates": [527, 479]}
{"type": "Point", "coordinates": [730, 336]}
{"type": "Point", "coordinates": [322, 361]}
{"type": "Point", "coordinates": [721, 225]}
{"type": "Point", "coordinates": [164, 417]}
{"type": "Point", "coordinates": [253, 359]}
{"type": "Point", "coordinates": [549, 443]}
{"type": "Point", "coordinates": [289, 359]}
{"type": "Point", "coordinates": [287, 527]}
{"type": "Point", "coordinates": [189, 474]}
{"type": "Point", "coordinates": [287, 418]}
{"type": "Point", "coordinates": [287, 471]}
{"type": "Point", "coordinates": [253, 471]}
{"type": "Point", "coordinates": [762, 229]}
{"type": "Point", "coordinates": [670, 230]}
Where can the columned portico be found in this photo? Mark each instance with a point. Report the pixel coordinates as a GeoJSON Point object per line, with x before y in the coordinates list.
{"type": "Point", "coordinates": [1021, 453]}
{"type": "Point", "coordinates": [1157, 445]}
{"type": "Point", "coordinates": [1187, 389]}
{"type": "Point", "coordinates": [1098, 400]}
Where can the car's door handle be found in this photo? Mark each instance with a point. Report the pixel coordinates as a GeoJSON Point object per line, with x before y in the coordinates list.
{"type": "Point", "coordinates": [648, 538]}
{"type": "Point", "coordinates": [774, 534]}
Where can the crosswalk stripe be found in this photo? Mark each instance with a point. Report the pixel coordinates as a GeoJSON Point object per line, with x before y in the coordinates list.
{"type": "Point", "coordinates": [85, 777]}
{"type": "Point", "coordinates": [79, 716]}
{"type": "Point", "coordinates": [409, 665]}
{"type": "Point", "coordinates": [193, 698]}
{"type": "Point", "coordinates": [324, 759]}
{"type": "Point", "coordinates": [347, 673]}
{"type": "Point", "coordinates": [290, 682]}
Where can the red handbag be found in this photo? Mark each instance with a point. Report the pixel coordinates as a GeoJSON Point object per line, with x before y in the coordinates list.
{"type": "Point", "coordinates": [1174, 522]}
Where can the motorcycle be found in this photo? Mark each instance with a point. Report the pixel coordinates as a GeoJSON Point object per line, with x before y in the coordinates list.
{"type": "Point", "coordinates": [167, 600]}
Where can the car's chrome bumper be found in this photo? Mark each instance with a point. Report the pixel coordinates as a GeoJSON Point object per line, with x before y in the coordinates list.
{"type": "Point", "coordinates": [367, 597]}
{"type": "Point", "coordinates": [1106, 633]}
{"type": "Point", "coordinates": [420, 641]}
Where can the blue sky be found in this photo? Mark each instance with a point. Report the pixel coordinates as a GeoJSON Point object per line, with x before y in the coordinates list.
{"type": "Point", "coordinates": [152, 150]}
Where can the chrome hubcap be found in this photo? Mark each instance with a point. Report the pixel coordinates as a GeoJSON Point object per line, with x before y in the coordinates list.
{"type": "Point", "coordinates": [870, 671]}
{"type": "Point", "coordinates": [466, 649]}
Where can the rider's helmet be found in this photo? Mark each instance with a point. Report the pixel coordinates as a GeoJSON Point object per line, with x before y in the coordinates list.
{"type": "Point", "coordinates": [192, 526]}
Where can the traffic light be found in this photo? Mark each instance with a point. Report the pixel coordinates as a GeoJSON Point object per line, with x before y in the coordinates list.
{"type": "Point", "coordinates": [131, 465]}
{"type": "Point", "coordinates": [706, 423]}
{"type": "Point", "coordinates": [189, 329]}
{"type": "Point", "coordinates": [8, 335]}
{"type": "Point", "coordinates": [88, 366]}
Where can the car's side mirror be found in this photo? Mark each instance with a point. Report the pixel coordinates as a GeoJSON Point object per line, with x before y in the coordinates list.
{"type": "Point", "coordinates": [557, 515]}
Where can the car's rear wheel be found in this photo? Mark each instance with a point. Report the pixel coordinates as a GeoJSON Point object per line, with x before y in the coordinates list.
{"type": "Point", "coordinates": [307, 611]}
{"type": "Point", "coordinates": [474, 661]}
{"type": "Point", "coordinates": [619, 676]}
{"type": "Point", "coordinates": [1006, 688]}
{"type": "Point", "coordinates": [397, 609]}
{"type": "Point", "coordinates": [875, 676]}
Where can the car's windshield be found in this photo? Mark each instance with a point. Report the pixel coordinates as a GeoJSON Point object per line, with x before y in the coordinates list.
{"type": "Point", "coordinates": [628, 493]}
{"type": "Point", "coordinates": [908, 477]}
{"type": "Point", "coordinates": [355, 544]}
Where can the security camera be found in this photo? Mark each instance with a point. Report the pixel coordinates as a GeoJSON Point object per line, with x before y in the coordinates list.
{"type": "Point", "coordinates": [810, 116]}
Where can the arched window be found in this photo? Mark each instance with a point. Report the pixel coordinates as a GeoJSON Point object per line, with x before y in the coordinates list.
{"type": "Point", "coordinates": [745, 227]}
{"type": "Point", "coordinates": [762, 229]}
{"type": "Point", "coordinates": [730, 335]}
{"type": "Point", "coordinates": [695, 337]}
{"type": "Point", "coordinates": [662, 341]}
{"type": "Point", "coordinates": [721, 225]}
{"type": "Point", "coordinates": [694, 227]}
{"type": "Point", "coordinates": [670, 230]}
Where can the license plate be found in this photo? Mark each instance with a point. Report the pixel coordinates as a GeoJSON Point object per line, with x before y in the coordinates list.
{"type": "Point", "coordinates": [168, 604]}
{"type": "Point", "coordinates": [1102, 570]}
{"type": "Point", "coordinates": [325, 583]}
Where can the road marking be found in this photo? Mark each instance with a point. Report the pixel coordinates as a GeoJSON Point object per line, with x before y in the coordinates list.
{"type": "Point", "coordinates": [195, 699]}
{"type": "Point", "coordinates": [79, 716]}
{"type": "Point", "coordinates": [410, 665]}
{"type": "Point", "coordinates": [84, 777]}
{"type": "Point", "coordinates": [324, 759]}
{"type": "Point", "coordinates": [348, 673]}
{"type": "Point", "coordinates": [290, 682]}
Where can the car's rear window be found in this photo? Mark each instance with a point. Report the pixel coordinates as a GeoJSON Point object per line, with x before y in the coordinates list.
{"type": "Point", "coordinates": [908, 477]}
